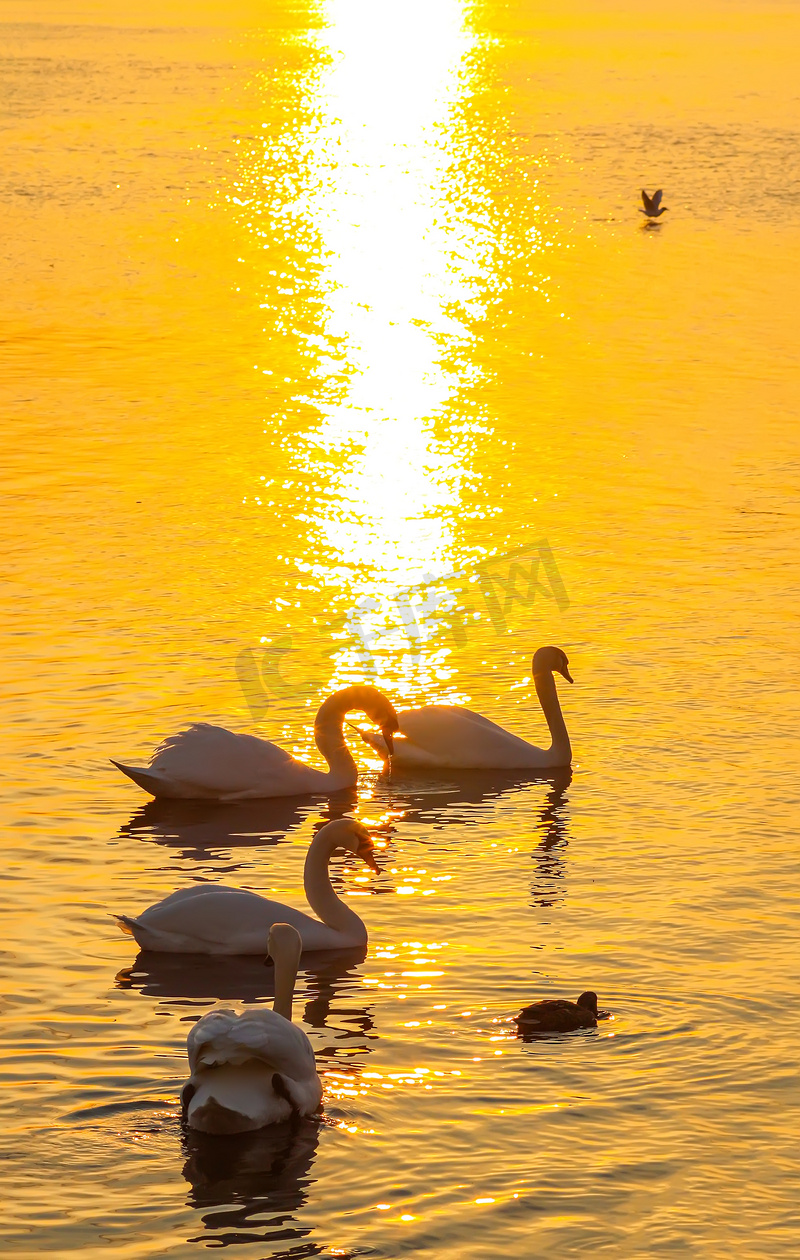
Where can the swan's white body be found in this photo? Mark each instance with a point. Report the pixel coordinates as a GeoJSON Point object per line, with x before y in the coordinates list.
{"type": "Point", "coordinates": [449, 737]}
{"type": "Point", "coordinates": [209, 762]}
{"type": "Point", "coordinates": [254, 1069]}
{"type": "Point", "coordinates": [214, 919]}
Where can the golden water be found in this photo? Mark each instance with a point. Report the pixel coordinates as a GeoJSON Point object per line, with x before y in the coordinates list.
{"type": "Point", "coordinates": [309, 312]}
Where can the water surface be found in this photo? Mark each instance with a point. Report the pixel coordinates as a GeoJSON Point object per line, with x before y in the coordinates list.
{"type": "Point", "coordinates": [310, 312]}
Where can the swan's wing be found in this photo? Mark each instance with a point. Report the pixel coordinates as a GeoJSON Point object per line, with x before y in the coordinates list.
{"type": "Point", "coordinates": [217, 759]}
{"type": "Point", "coordinates": [212, 918]}
{"type": "Point", "coordinates": [656, 199]}
{"type": "Point", "coordinates": [181, 895]}
{"type": "Point", "coordinates": [236, 1098]}
{"type": "Point", "coordinates": [426, 728]}
{"type": "Point", "coordinates": [435, 723]}
{"type": "Point", "coordinates": [210, 1029]}
{"type": "Point", "coordinates": [253, 1064]}
{"type": "Point", "coordinates": [209, 761]}
{"type": "Point", "coordinates": [214, 915]}
{"type": "Point", "coordinates": [460, 738]}
{"type": "Point", "coordinates": [263, 1036]}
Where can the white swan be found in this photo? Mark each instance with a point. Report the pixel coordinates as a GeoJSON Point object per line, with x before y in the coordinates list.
{"type": "Point", "coordinates": [209, 762]}
{"type": "Point", "coordinates": [449, 737]}
{"type": "Point", "coordinates": [213, 919]}
{"type": "Point", "coordinates": [254, 1069]}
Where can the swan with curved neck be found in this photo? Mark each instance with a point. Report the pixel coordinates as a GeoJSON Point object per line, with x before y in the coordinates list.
{"type": "Point", "coordinates": [215, 919]}
{"type": "Point", "coordinates": [257, 1068]}
{"type": "Point", "coordinates": [209, 762]}
{"type": "Point", "coordinates": [442, 736]}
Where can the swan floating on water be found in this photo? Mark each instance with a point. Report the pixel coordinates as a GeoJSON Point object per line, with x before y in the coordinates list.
{"type": "Point", "coordinates": [559, 1015]}
{"type": "Point", "coordinates": [215, 919]}
{"type": "Point", "coordinates": [211, 763]}
{"type": "Point", "coordinates": [652, 205]}
{"type": "Point", "coordinates": [254, 1069]}
{"type": "Point", "coordinates": [450, 737]}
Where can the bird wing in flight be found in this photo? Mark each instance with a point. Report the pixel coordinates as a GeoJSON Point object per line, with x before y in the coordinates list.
{"type": "Point", "coordinates": [656, 199]}
{"type": "Point", "coordinates": [648, 204]}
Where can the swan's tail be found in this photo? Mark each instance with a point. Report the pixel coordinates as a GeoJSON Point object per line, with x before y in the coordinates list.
{"type": "Point", "coordinates": [162, 941]}
{"type": "Point", "coordinates": [153, 938]}
{"type": "Point", "coordinates": [373, 738]}
{"type": "Point", "coordinates": [126, 923]}
{"type": "Point", "coordinates": [152, 783]}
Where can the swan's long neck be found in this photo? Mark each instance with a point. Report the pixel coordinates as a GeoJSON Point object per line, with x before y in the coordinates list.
{"type": "Point", "coordinates": [329, 737]}
{"type": "Point", "coordinates": [548, 698]}
{"type": "Point", "coordinates": [325, 903]}
{"type": "Point", "coordinates": [285, 977]}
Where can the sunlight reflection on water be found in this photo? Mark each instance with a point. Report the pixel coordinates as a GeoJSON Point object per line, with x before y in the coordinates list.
{"type": "Point", "coordinates": [305, 314]}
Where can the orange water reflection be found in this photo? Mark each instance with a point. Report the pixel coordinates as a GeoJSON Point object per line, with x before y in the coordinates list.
{"type": "Point", "coordinates": [303, 303]}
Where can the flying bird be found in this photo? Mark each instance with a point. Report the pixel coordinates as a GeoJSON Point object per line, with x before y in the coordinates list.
{"type": "Point", "coordinates": [652, 205]}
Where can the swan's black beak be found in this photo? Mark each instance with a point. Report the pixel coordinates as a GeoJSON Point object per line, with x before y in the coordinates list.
{"type": "Point", "coordinates": [387, 733]}
{"type": "Point", "coordinates": [366, 852]}
{"type": "Point", "coordinates": [565, 672]}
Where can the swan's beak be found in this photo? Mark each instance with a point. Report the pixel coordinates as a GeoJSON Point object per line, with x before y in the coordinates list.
{"type": "Point", "coordinates": [387, 732]}
{"type": "Point", "coordinates": [367, 854]}
{"type": "Point", "coordinates": [566, 674]}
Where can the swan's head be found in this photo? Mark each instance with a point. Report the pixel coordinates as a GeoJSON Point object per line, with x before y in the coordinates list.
{"type": "Point", "coordinates": [380, 711]}
{"type": "Point", "coordinates": [346, 833]}
{"type": "Point", "coordinates": [589, 1000]}
{"type": "Point", "coordinates": [551, 660]}
{"type": "Point", "coordinates": [284, 946]}
{"type": "Point", "coordinates": [361, 843]}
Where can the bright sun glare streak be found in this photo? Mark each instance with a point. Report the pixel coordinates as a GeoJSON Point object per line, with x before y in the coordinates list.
{"type": "Point", "coordinates": [393, 76]}
{"type": "Point", "coordinates": [384, 224]}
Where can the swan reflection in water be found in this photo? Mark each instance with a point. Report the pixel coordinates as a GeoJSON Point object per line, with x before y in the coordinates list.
{"type": "Point", "coordinates": [453, 795]}
{"type": "Point", "coordinates": [441, 803]}
{"type": "Point", "coordinates": [257, 1182]}
{"type": "Point", "coordinates": [201, 828]}
{"type": "Point", "coordinates": [198, 980]}
{"type": "Point", "coordinates": [547, 886]}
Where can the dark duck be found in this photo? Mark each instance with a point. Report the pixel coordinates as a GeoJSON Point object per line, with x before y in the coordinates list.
{"type": "Point", "coordinates": [559, 1015]}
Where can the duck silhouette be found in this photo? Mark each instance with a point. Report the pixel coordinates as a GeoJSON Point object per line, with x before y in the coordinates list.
{"type": "Point", "coordinates": [652, 205]}
{"type": "Point", "coordinates": [559, 1015]}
